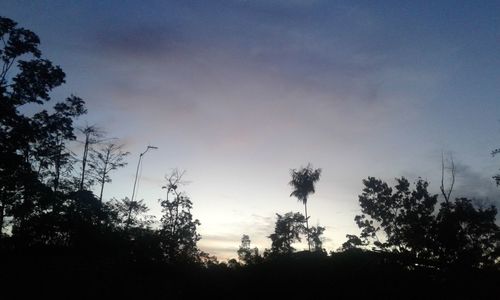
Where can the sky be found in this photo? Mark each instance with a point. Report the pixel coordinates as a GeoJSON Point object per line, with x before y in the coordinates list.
{"type": "Point", "coordinates": [238, 93]}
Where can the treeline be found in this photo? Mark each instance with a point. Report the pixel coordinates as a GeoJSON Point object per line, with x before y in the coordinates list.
{"type": "Point", "coordinates": [46, 202]}
{"type": "Point", "coordinates": [405, 223]}
{"type": "Point", "coordinates": [57, 237]}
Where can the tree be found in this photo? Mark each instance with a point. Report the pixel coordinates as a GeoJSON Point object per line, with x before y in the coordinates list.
{"type": "Point", "coordinates": [104, 160]}
{"type": "Point", "coordinates": [51, 155]}
{"type": "Point", "coordinates": [25, 147]}
{"type": "Point", "coordinates": [404, 216]}
{"type": "Point", "coordinates": [456, 234]}
{"type": "Point", "coordinates": [497, 176]}
{"type": "Point", "coordinates": [85, 218]}
{"type": "Point", "coordinates": [246, 253]}
{"type": "Point", "coordinates": [92, 135]}
{"type": "Point", "coordinates": [353, 242]}
{"type": "Point", "coordinates": [233, 264]}
{"type": "Point", "coordinates": [178, 229]}
{"type": "Point", "coordinates": [466, 235]}
{"type": "Point", "coordinates": [302, 182]}
{"type": "Point", "coordinates": [130, 213]}
{"type": "Point", "coordinates": [287, 231]}
{"type": "Point", "coordinates": [315, 236]}
{"type": "Point", "coordinates": [447, 194]}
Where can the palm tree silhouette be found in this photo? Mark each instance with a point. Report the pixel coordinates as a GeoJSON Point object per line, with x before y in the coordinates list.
{"type": "Point", "coordinates": [303, 181]}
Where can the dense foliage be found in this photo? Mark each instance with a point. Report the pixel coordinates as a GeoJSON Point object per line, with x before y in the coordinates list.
{"type": "Point", "coordinates": [45, 202]}
{"type": "Point", "coordinates": [457, 233]}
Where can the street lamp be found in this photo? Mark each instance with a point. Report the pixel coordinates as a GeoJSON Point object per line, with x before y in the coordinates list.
{"type": "Point", "coordinates": [137, 171]}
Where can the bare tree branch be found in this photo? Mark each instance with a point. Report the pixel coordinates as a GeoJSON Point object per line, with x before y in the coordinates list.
{"type": "Point", "coordinates": [447, 194]}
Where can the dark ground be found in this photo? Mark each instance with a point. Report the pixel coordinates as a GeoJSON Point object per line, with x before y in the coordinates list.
{"type": "Point", "coordinates": [351, 274]}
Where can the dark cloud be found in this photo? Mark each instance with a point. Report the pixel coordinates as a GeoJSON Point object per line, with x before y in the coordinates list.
{"type": "Point", "coordinates": [300, 45]}
{"type": "Point", "coordinates": [146, 42]}
{"type": "Point", "coordinates": [473, 184]}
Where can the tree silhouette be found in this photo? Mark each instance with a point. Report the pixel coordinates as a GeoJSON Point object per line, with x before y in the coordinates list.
{"type": "Point", "coordinates": [302, 182]}
{"type": "Point", "coordinates": [178, 229]}
{"type": "Point", "coordinates": [130, 213]}
{"type": "Point", "coordinates": [352, 242]}
{"type": "Point", "coordinates": [466, 235]}
{"type": "Point", "coordinates": [497, 176]}
{"type": "Point", "coordinates": [26, 78]}
{"type": "Point", "coordinates": [52, 157]}
{"type": "Point", "coordinates": [287, 231]}
{"type": "Point", "coordinates": [447, 194]}
{"type": "Point", "coordinates": [104, 160]}
{"type": "Point", "coordinates": [315, 235]}
{"type": "Point", "coordinates": [92, 135]}
{"type": "Point", "coordinates": [458, 233]}
{"type": "Point", "coordinates": [246, 253]}
{"type": "Point", "coordinates": [404, 216]}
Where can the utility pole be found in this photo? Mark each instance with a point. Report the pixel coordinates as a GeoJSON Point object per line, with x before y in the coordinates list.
{"type": "Point", "coordinates": [137, 171]}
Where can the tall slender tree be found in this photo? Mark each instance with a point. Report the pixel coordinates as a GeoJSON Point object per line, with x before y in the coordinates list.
{"type": "Point", "coordinates": [104, 160]}
{"type": "Point", "coordinates": [302, 182]}
{"type": "Point", "coordinates": [92, 135]}
{"type": "Point", "coordinates": [178, 228]}
{"type": "Point", "coordinates": [452, 170]}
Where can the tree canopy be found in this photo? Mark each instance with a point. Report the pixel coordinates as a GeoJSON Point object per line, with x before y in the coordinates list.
{"type": "Point", "coordinates": [406, 221]}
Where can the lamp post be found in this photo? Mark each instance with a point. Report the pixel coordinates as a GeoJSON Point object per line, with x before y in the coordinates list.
{"type": "Point", "coordinates": [137, 171]}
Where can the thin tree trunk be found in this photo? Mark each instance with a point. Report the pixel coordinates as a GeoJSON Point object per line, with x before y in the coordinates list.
{"type": "Point", "coordinates": [103, 179]}
{"type": "Point", "coordinates": [307, 227]}
{"type": "Point", "coordinates": [84, 161]}
{"type": "Point", "coordinates": [129, 217]}
{"type": "Point", "coordinates": [102, 189]}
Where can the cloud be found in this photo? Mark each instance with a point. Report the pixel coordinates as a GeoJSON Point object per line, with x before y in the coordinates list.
{"type": "Point", "coordinates": [475, 185]}
{"type": "Point", "coordinates": [144, 42]}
